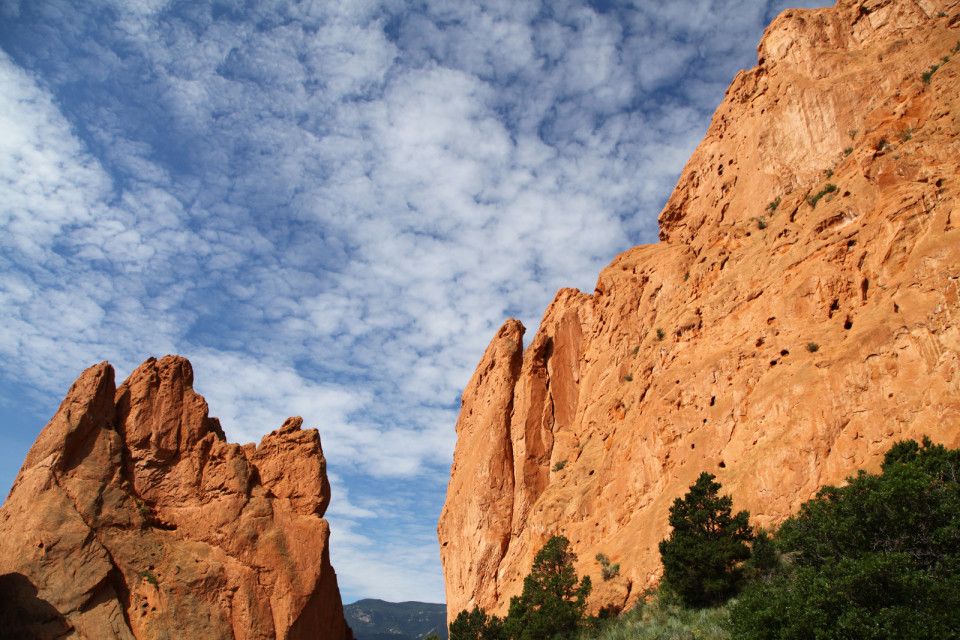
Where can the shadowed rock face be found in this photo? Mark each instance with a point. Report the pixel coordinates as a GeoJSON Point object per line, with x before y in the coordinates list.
{"type": "Point", "coordinates": [132, 517]}
{"type": "Point", "coordinates": [806, 290]}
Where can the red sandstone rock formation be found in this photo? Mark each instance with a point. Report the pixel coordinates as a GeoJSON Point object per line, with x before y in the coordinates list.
{"type": "Point", "coordinates": [132, 517]}
{"type": "Point", "coordinates": [783, 333]}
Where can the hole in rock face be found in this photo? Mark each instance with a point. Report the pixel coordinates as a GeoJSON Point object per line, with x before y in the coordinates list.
{"type": "Point", "coordinates": [771, 319]}
{"type": "Point", "coordinates": [591, 472]}
{"type": "Point", "coordinates": [713, 400]}
{"type": "Point", "coordinates": [833, 307]}
{"type": "Point", "coordinates": [723, 465]}
{"type": "Point", "coordinates": [760, 342]}
{"type": "Point", "coordinates": [773, 363]}
{"type": "Point", "coordinates": [693, 446]}
{"type": "Point", "coordinates": [850, 243]}
{"type": "Point", "coordinates": [896, 308]}
{"type": "Point", "coordinates": [40, 546]}
{"type": "Point", "coordinates": [784, 352]}
{"type": "Point", "coordinates": [848, 323]}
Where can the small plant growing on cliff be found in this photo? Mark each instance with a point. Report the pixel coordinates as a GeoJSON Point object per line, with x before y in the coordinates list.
{"type": "Point", "coordinates": [660, 334]}
{"type": "Point", "coordinates": [926, 75]}
{"type": "Point", "coordinates": [607, 571]}
{"type": "Point", "coordinates": [772, 206]}
{"type": "Point", "coordinates": [635, 351]}
{"type": "Point", "coordinates": [628, 377]}
{"type": "Point", "coordinates": [813, 200]}
{"type": "Point", "coordinates": [560, 465]}
{"type": "Point", "coordinates": [813, 347]}
{"type": "Point", "coordinates": [149, 577]}
{"type": "Point", "coordinates": [848, 151]}
{"type": "Point", "coordinates": [853, 133]}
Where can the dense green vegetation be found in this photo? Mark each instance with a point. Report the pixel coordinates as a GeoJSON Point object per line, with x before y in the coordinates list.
{"type": "Point", "coordinates": [702, 557]}
{"type": "Point", "coordinates": [878, 558]}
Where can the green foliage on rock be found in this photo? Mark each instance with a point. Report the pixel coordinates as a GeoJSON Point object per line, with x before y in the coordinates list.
{"type": "Point", "coordinates": [702, 556]}
{"type": "Point", "coordinates": [878, 558]}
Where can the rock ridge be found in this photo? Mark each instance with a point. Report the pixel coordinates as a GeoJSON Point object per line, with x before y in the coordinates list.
{"type": "Point", "coordinates": [797, 317]}
{"type": "Point", "coordinates": [133, 518]}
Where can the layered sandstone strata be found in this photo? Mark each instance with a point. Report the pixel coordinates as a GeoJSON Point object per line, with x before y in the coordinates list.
{"type": "Point", "coordinates": [799, 315]}
{"type": "Point", "coordinates": [132, 517]}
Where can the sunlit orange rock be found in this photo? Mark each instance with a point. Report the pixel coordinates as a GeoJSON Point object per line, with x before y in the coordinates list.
{"type": "Point", "coordinates": [132, 517]}
{"type": "Point", "coordinates": [799, 315]}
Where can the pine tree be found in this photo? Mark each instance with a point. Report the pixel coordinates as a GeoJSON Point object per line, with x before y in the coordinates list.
{"type": "Point", "coordinates": [702, 556]}
{"type": "Point", "coordinates": [552, 603]}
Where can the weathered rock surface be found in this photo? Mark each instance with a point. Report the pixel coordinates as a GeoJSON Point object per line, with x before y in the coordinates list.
{"type": "Point", "coordinates": [132, 517]}
{"type": "Point", "coordinates": [781, 335]}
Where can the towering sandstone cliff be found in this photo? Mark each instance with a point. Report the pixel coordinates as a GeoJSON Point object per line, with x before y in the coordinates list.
{"type": "Point", "coordinates": [804, 329]}
{"type": "Point", "coordinates": [132, 517]}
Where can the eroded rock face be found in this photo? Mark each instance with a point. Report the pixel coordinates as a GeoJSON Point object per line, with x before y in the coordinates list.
{"type": "Point", "coordinates": [805, 327]}
{"type": "Point", "coordinates": [132, 517]}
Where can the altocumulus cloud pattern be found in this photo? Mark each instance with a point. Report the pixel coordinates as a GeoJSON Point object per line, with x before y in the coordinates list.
{"type": "Point", "coordinates": [330, 207]}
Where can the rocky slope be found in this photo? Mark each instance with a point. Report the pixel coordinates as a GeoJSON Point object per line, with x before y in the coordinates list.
{"type": "Point", "coordinates": [132, 517]}
{"type": "Point", "coordinates": [798, 316]}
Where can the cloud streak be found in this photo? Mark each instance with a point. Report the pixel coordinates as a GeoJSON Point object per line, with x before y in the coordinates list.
{"type": "Point", "coordinates": [330, 208]}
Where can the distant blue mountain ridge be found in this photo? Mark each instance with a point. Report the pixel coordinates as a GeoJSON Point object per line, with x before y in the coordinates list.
{"type": "Point", "coordinates": [378, 620]}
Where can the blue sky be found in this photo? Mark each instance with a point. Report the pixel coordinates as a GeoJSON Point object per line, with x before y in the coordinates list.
{"type": "Point", "coordinates": [330, 207]}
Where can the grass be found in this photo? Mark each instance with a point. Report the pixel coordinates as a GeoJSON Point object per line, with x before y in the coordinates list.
{"type": "Point", "coordinates": [660, 334]}
{"type": "Point", "coordinates": [560, 465]}
{"type": "Point", "coordinates": [659, 620]}
{"type": "Point", "coordinates": [813, 200]}
{"type": "Point", "coordinates": [772, 206]}
{"type": "Point", "coordinates": [813, 347]}
{"type": "Point", "coordinates": [628, 377]}
{"type": "Point", "coordinates": [926, 75]}
{"type": "Point", "coordinates": [149, 577]}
